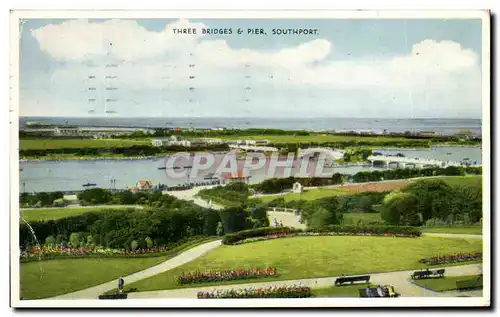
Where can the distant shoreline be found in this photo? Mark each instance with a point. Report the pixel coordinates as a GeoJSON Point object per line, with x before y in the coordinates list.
{"type": "Point", "coordinates": [138, 158]}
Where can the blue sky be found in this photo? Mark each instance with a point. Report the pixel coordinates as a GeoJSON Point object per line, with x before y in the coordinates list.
{"type": "Point", "coordinates": [351, 68]}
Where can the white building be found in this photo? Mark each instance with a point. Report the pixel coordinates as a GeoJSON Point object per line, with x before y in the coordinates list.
{"type": "Point", "coordinates": [298, 188]}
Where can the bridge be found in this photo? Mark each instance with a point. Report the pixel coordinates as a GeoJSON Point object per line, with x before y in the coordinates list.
{"type": "Point", "coordinates": [404, 161]}
{"type": "Point", "coordinates": [335, 154]}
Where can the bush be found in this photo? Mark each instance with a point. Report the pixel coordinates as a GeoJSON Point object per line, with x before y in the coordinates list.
{"type": "Point", "coordinates": [149, 242]}
{"type": "Point", "coordinates": [133, 245]}
{"type": "Point", "coordinates": [50, 241]}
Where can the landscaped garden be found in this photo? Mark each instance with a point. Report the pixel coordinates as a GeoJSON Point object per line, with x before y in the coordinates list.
{"type": "Point", "coordinates": [294, 258]}
{"type": "Point", "coordinates": [47, 278]}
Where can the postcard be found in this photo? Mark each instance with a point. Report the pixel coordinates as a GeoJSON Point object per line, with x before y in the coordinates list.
{"type": "Point", "coordinates": [250, 159]}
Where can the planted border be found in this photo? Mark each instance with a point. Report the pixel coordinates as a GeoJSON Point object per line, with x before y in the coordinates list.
{"type": "Point", "coordinates": [452, 258]}
{"type": "Point", "coordinates": [282, 232]}
{"type": "Point", "coordinates": [230, 275]}
{"type": "Point", "coordinates": [268, 292]}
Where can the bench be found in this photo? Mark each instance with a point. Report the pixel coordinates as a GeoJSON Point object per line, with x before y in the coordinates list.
{"type": "Point", "coordinates": [114, 296]}
{"type": "Point", "coordinates": [352, 279]}
{"type": "Point", "coordinates": [427, 274]}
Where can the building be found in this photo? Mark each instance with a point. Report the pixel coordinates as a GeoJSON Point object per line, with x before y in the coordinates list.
{"type": "Point", "coordinates": [90, 132]}
{"type": "Point", "coordinates": [427, 133]}
{"type": "Point", "coordinates": [298, 188]}
{"type": "Point", "coordinates": [239, 177]}
{"type": "Point", "coordinates": [144, 185]}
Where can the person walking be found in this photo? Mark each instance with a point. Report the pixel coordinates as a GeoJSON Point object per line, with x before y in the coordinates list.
{"type": "Point", "coordinates": [121, 283]}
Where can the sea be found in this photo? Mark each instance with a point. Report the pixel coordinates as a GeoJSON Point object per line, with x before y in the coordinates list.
{"type": "Point", "coordinates": [377, 125]}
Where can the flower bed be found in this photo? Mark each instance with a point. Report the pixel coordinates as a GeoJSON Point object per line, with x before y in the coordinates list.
{"type": "Point", "coordinates": [219, 276]}
{"type": "Point", "coordinates": [267, 292]}
{"type": "Point", "coordinates": [453, 258]}
{"type": "Point", "coordinates": [63, 252]}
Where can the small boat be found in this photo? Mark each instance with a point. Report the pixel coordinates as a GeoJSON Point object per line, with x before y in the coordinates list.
{"type": "Point", "coordinates": [88, 185]}
{"type": "Point", "coordinates": [448, 153]}
{"type": "Point", "coordinates": [162, 168]}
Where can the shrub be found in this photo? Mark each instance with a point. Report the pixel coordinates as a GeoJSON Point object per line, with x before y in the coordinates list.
{"type": "Point", "coordinates": [242, 235]}
{"type": "Point", "coordinates": [134, 245]}
{"type": "Point", "coordinates": [50, 241]}
{"type": "Point", "coordinates": [149, 242]}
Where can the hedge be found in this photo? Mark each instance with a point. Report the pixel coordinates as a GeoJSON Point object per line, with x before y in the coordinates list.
{"type": "Point", "coordinates": [259, 232]}
{"type": "Point", "coordinates": [278, 232]}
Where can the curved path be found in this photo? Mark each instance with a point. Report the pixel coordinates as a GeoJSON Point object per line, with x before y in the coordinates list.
{"type": "Point", "coordinates": [453, 235]}
{"type": "Point", "coordinates": [398, 279]}
{"type": "Point", "coordinates": [187, 256]}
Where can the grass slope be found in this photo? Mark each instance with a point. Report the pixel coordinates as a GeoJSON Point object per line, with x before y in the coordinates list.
{"type": "Point", "coordinates": [308, 257]}
{"type": "Point", "coordinates": [447, 283]}
{"type": "Point", "coordinates": [311, 194]}
{"type": "Point", "coordinates": [40, 144]}
{"type": "Point", "coordinates": [42, 279]}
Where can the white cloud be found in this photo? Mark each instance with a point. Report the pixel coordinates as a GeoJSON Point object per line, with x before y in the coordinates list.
{"type": "Point", "coordinates": [436, 74]}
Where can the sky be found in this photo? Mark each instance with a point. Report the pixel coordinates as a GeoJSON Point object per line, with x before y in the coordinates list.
{"type": "Point", "coordinates": [350, 68]}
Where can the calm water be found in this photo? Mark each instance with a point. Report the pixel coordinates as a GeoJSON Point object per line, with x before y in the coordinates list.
{"type": "Point", "coordinates": [443, 126]}
{"type": "Point", "coordinates": [71, 175]}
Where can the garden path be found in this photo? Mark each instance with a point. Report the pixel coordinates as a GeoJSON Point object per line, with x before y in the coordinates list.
{"type": "Point", "coordinates": [185, 257]}
{"type": "Point", "coordinates": [398, 279]}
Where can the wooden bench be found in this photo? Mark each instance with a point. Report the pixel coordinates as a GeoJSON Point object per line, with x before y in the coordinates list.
{"type": "Point", "coordinates": [427, 274]}
{"type": "Point", "coordinates": [352, 279]}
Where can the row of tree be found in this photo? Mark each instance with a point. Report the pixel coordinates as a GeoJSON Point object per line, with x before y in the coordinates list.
{"type": "Point", "coordinates": [169, 221]}
{"type": "Point", "coordinates": [132, 151]}
{"type": "Point", "coordinates": [430, 200]}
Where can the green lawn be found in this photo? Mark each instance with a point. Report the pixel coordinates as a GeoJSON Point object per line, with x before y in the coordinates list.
{"type": "Point", "coordinates": [456, 230]}
{"type": "Point", "coordinates": [324, 138]}
{"type": "Point", "coordinates": [353, 218]}
{"type": "Point", "coordinates": [459, 180]}
{"type": "Point", "coordinates": [308, 257]}
{"type": "Point", "coordinates": [40, 144]}
{"type": "Point", "coordinates": [311, 194]}
{"type": "Point", "coordinates": [41, 214]}
{"type": "Point", "coordinates": [42, 279]}
{"type": "Point", "coordinates": [340, 291]}
{"type": "Point", "coordinates": [447, 283]}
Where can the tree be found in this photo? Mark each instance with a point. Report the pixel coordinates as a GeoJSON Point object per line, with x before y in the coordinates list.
{"type": "Point", "coordinates": [321, 218]}
{"type": "Point", "coordinates": [400, 208]}
{"type": "Point", "coordinates": [149, 242]}
{"type": "Point", "coordinates": [434, 198]}
{"type": "Point", "coordinates": [50, 241]}
{"type": "Point", "coordinates": [133, 245]}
